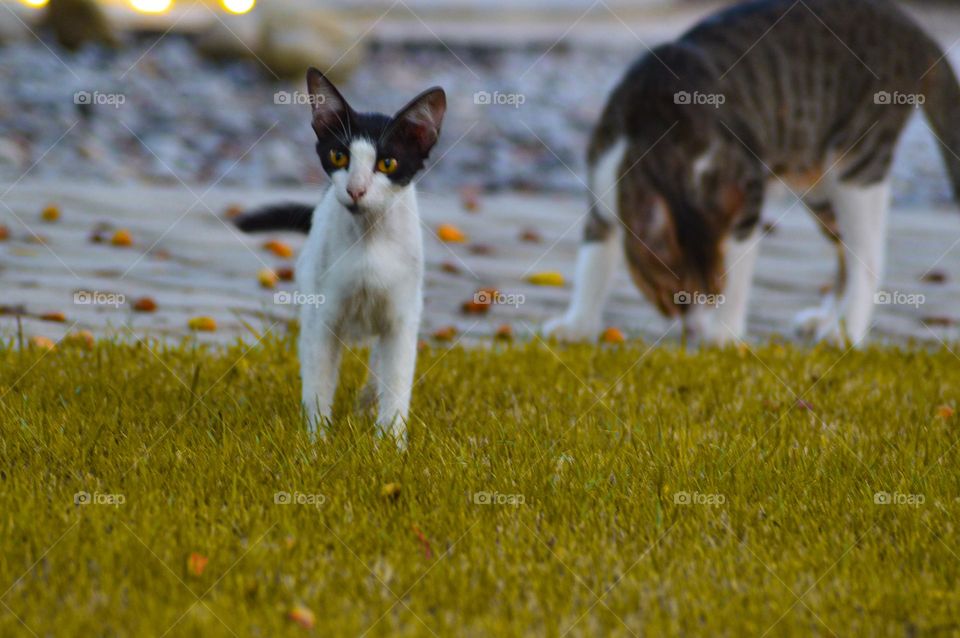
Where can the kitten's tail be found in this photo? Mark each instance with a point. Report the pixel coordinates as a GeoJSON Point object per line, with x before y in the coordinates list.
{"type": "Point", "coordinates": [287, 216]}
{"type": "Point", "coordinates": [942, 108]}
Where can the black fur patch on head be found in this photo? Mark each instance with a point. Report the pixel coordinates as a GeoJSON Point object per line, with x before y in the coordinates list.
{"type": "Point", "coordinates": [407, 137]}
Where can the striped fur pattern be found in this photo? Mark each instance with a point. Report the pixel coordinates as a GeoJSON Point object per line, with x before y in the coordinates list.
{"type": "Point", "coordinates": [813, 93]}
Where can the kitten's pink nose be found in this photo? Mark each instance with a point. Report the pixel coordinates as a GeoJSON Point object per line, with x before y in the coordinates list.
{"type": "Point", "coordinates": [356, 192]}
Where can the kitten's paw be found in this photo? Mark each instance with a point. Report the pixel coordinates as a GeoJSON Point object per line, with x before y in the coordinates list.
{"type": "Point", "coordinates": [401, 440]}
{"type": "Point", "coordinates": [568, 328]}
{"type": "Point", "coordinates": [394, 429]}
{"type": "Point", "coordinates": [317, 431]}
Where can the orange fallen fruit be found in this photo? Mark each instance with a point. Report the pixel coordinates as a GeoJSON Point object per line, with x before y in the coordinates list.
{"type": "Point", "coordinates": [267, 278]}
{"type": "Point", "coordinates": [302, 616]}
{"type": "Point", "coordinates": [279, 248]}
{"type": "Point", "coordinates": [285, 273]}
{"type": "Point", "coordinates": [202, 324]}
{"type": "Point", "coordinates": [80, 338]}
{"type": "Point", "coordinates": [445, 334]}
{"type": "Point", "coordinates": [196, 563]}
{"type": "Point", "coordinates": [4, 233]}
{"type": "Point", "coordinates": [450, 234]}
{"type": "Point", "coordinates": [530, 236]}
{"type": "Point", "coordinates": [504, 333]}
{"type": "Point", "coordinates": [474, 307]}
{"type": "Point", "coordinates": [44, 343]}
{"type": "Point", "coordinates": [945, 412]}
{"type": "Point", "coordinates": [59, 317]}
{"type": "Point", "coordinates": [122, 238]}
{"type": "Point", "coordinates": [50, 213]}
{"type": "Point", "coordinates": [612, 335]}
{"type": "Point", "coordinates": [145, 304]}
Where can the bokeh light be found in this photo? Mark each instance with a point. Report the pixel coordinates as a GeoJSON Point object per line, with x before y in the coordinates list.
{"type": "Point", "coordinates": [151, 6]}
{"type": "Point", "coordinates": [238, 6]}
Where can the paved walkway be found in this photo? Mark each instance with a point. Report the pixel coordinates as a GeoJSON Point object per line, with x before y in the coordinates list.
{"type": "Point", "coordinates": [192, 263]}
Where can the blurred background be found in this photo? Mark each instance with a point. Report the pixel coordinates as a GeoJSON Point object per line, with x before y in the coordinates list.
{"type": "Point", "coordinates": [198, 81]}
{"type": "Point", "coordinates": [132, 130]}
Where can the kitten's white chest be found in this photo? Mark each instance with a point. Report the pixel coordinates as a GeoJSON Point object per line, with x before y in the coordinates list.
{"type": "Point", "coordinates": [370, 288]}
{"type": "Point", "coordinates": [369, 279]}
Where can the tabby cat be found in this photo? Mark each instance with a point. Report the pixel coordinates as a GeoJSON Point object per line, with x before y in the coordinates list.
{"type": "Point", "coordinates": [813, 93]}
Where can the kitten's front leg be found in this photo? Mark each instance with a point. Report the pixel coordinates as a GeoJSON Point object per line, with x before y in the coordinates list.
{"type": "Point", "coordinates": [396, 360]}
{"type": "Point", "coordinates": [319, 351]}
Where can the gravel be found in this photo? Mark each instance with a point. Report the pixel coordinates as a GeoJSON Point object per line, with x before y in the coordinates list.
{"type": "Point", "coordinates": [165, 114]}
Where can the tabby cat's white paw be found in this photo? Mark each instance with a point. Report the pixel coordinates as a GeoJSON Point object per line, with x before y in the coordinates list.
{"type": "Point", "coordinates": [806, 323]}
{"type": "Point", "coordinates": [568, 328]}
{"type": "Point", "coordinates": [818, 324]}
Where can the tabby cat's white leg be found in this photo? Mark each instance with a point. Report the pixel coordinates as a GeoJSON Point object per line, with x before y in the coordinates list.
{"type": "Point", "coordinates": [821, 322]}
{"type": "Point", "coordinates": [598, 255]}
{"type": "Point", "coordinates": [596, 262]}
{"type": "Point", "coordinates": [862, 220]}
{"type": "Point", "coordinates": [729, 321]}
{"type": "Point", "coordinates": [825, 318]}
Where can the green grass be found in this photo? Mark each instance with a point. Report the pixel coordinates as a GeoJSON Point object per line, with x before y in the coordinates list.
{"type": "Point", "coordinates": [596, 442]}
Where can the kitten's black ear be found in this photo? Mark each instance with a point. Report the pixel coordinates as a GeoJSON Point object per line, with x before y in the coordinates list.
{"type": "Point", "coordinates": [419, 121]}
{"type": "Point", "coordinates": [330, 110]}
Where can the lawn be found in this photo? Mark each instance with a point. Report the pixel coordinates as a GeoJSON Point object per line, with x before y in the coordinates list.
{"type": "Point", "coordinates": [582, 491]}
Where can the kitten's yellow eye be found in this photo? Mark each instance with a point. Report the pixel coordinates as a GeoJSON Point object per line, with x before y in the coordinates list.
{"type": "Point", "coordinates": [387, 165]}
{"type": "Point", "coordinates": [338, 158]}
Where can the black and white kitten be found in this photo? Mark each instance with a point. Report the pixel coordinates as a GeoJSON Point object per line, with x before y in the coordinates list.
{"type": "Point", "coordinates": [364, 253]}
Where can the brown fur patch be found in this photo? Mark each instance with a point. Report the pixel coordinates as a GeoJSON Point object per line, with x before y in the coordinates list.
{"type": "Point", "coordinates": [803, 180]}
